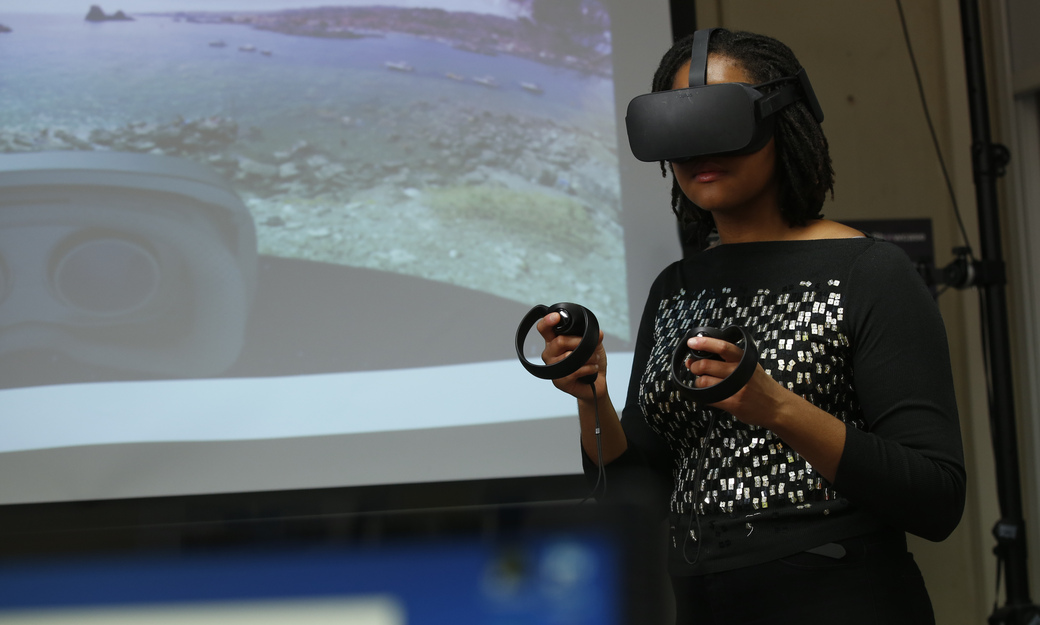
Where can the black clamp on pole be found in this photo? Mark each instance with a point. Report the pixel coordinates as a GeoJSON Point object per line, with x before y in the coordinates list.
{"type": "Point", "coordinates": [966, 272]}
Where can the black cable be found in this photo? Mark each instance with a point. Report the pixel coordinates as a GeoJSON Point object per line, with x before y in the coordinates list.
{"type": "Point", "coordinates": [695, 517]}
{"type": "Point", "coordinates": [931, 128]}
{"type": "Point", "coordinates": [601, 475]}
{"type": "Point", "coordinates": [987, 372]}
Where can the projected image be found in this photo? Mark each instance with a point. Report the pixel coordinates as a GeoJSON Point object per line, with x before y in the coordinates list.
{"type": "Point", "coordinates": [275, 244]}
{"type": "Point", "coordinates": [462, 142]}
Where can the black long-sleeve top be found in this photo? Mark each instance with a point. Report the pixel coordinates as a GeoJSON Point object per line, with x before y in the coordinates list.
{"type": "Point", "coordinates": [849, 325]}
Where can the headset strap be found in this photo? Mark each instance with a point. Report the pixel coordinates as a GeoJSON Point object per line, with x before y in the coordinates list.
{"type": "Point", "coordinates": [772, 103]}
{"type": "Point", "coordinates": [699, 57]}
{"type": "Point", "coordinates": [789, 94]}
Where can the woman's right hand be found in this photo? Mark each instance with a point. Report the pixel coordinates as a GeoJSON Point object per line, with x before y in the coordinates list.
{"type": "Point", "coordinates": [560, 346]}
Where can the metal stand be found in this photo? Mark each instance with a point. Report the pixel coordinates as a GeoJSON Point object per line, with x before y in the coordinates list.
{"type": "Point", "coordinates": [988, 163]}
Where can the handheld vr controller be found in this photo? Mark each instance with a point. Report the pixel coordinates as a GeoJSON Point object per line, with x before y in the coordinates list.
{"type": "Point", "coordinates": [575, 320]}
{"type": "Point", "coordinates": [732, 383]}
{"type": "Point", "coordinates": [726, 118]}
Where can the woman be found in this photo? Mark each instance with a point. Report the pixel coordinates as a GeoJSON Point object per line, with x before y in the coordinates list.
{"type": "Point", "coordinates": [789, 501]}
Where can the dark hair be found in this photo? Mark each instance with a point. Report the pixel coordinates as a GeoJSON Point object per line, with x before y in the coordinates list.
{"type": "Point", "coordinates": [803, 161]}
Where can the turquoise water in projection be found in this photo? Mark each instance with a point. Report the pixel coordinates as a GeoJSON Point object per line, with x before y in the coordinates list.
{"type": "Point", "coordinates": [509, 187]}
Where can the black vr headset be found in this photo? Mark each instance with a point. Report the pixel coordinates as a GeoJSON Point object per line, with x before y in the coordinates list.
{"type": "Point", "coordinates": [727, 118]}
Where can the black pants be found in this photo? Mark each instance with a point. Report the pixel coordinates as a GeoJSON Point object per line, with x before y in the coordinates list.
{"type": "Point", "coordinates": [876, 582]}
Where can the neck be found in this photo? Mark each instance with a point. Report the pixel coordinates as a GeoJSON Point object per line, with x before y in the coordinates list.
{"type": "Point", "coordinates": [744, 228]}
{"type": "Point", "coordinates": [730, 232]}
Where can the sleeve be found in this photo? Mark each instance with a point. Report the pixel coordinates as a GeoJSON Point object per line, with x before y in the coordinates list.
{"type": "Point", "coordinates": [642, 474]}
{"type": "Point", "coordinates": [907, 466]}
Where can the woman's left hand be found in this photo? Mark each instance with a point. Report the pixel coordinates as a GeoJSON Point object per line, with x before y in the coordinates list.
{"type": "Point", "coordinates": [757, 403]}
{"type": "Point", "coordinates": [813, 433]}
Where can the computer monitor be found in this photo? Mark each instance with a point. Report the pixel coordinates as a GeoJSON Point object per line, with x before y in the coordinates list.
{"type": "Point", "coordinates": [515, 564]}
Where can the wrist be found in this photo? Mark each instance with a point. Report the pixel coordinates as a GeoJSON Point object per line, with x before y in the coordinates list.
{"type": "Point", "coordinates": [591, 401]}
{"type": "Point", "coordinates": [788, 409]}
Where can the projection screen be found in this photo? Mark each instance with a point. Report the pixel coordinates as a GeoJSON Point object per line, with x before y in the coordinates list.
{"type": "Point", "coordinates": [274, 244]}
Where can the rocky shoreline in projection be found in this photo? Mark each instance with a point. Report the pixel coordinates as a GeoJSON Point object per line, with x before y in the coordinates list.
{"type": "Point", "coordinates": [488, 183]}
{"type": "Point", "coordinates": [574, 35]}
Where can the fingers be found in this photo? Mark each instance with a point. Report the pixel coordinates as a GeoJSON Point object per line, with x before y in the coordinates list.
{"type": "Point", "coordinates": [704, 381]}
{"type": "Point", "coordinates": [588, 369]}
{"type": "Point", "coordinates": [561, 346]}
{"type": "Point", "coordinates": [555, 349]}
{"type": "Point", "coordinates": [576, 386]}
{"type": "Point", "coordinates": [557, 346]}
{"type": "Point", "coordinates": [708, 370]}
{"type": "Point", "coordinates": [728, 351]}
{"type": "Point", "coordinates": [546, 324]}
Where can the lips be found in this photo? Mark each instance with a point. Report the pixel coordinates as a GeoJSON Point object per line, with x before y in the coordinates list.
{"type": "Point", "coordinates": [706, 171]}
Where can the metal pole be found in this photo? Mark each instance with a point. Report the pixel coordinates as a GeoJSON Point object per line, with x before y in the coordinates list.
{"type": "Point", "coordinates": [988, 161]}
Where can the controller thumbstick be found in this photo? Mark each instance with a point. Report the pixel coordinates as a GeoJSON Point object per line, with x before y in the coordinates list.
{"type": "Point", "coordinates": [701, 354]}
{"type": "Point", "coordinates": [565, 322]}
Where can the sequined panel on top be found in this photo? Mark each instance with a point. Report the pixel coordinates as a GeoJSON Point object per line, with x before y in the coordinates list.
{"type": "Point", "coordinates": [746, 469]}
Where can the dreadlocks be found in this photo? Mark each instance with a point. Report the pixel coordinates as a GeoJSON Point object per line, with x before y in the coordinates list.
{"type": "Point", "coordinates": [805, 175]}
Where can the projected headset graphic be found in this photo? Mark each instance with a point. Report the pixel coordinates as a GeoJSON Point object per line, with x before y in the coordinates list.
{"type": "Point", "coordinates": [132, 262]}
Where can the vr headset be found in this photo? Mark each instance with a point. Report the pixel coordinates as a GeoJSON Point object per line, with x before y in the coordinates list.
{"type": "Point", "coordinates": [728, 118]}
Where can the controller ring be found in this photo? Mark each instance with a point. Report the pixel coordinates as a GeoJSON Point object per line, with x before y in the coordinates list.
{"type": "Point", "coordinates": [733, 382]}
{"type": "Point", "coordinates": [578, 321]}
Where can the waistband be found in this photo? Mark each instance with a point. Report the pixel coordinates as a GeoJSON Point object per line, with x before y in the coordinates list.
{"type": "Point", "coordinates": [887, 542]}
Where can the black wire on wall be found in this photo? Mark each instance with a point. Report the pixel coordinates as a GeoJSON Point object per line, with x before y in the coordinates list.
{"type": "Point", "coordinates": [684, 18]}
